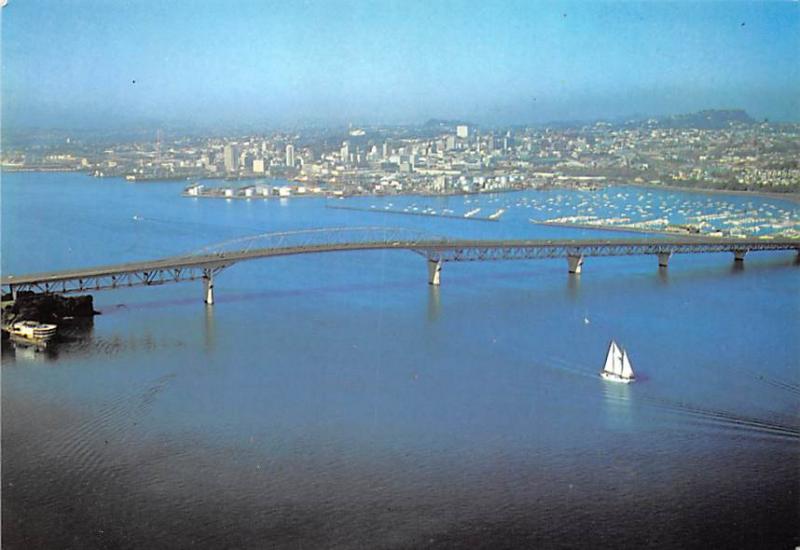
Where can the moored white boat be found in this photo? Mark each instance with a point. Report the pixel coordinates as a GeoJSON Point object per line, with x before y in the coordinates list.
{"type": "Point", "coordinates": [32, 333]}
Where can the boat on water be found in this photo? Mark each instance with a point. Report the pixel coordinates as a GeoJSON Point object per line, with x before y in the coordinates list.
{"type": "Point", "coordinates": [618, 366]}
{"type": "Point", "coordinates": [31, 333]}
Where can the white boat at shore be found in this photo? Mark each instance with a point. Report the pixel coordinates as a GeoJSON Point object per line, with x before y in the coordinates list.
{"type": "Point", "coordinates": [617, 367]}
{"type": "Point", "coordinates": [31, 333]}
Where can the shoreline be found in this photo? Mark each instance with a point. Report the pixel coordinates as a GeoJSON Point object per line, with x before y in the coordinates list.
{"type": "Point", "coordinates": [789, 197]}
{"type": "Point", "coordinates": [793, 197]}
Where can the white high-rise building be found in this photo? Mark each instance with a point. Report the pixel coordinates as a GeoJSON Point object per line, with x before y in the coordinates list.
{"type": "Point", "coordinates": [231, 158]}
{"type": "Point", "coordinates": [290, 155]}
{"type": "Point", "coordinates": [258, 166]}
{"type": "Point", "coordinates": [462, 131]}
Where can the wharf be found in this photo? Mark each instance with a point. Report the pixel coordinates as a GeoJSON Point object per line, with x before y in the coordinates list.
{"type": "Point", "coordinates": [406, 213]}
{"type": "Point", "coordinates": [251, 197]}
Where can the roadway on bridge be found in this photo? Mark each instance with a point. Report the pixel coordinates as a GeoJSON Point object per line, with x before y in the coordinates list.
{"type": "Point", "coordinates": [446, 250]}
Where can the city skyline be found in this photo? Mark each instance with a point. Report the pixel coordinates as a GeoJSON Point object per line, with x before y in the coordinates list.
{"type": "Point", "coordinates": [110, 66]}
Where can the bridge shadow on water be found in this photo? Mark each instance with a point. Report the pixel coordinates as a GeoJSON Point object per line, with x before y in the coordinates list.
{"type": "Point", "coordinates": [573, 284]}
{"type": "Point", "coordinates": [667, 275]}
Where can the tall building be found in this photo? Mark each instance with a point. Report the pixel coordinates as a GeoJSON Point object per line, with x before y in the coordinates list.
{"type": "Point", "coordinates": [290, 155]}
{"type": "Point", "coordinates": [462, 131]}
{"type": "Point", "coordinates": [231, 158]}
{"type": "Point", "coordinates": [345, 152]}
{"type": "Point", "coordinates": [258, 166]}
{"type": "Point", "coordinates": [508, 141]}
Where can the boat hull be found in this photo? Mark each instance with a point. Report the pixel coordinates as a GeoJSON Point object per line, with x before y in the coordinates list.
{"type": "Point", "coordinates": [615, 378]}
{"type": "Point", "coordinates": [24, 341]}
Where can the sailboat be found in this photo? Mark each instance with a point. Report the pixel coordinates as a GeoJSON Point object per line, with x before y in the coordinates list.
{"type": "Point", "coordinates": [618, 366]}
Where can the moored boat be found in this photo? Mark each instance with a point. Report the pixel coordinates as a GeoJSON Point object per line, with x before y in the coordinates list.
{"type": "Point", "coordinates": [31, 333]}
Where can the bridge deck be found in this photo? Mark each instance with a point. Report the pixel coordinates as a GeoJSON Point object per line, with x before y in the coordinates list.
{"type": "Point", "coordinates": [178, 268]}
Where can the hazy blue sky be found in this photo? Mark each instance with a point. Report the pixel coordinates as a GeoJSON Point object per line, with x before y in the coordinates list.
{"type": "Point", "coordinates": [74, 63]}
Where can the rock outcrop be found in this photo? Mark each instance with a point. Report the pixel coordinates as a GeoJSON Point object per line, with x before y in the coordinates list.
{"type": "Point", "coordinates": [49, 308]}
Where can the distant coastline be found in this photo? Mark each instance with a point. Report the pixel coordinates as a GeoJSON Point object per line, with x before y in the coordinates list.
{"type": "Point", "coordinates": [791, 197]}
{"type": "Point", "coordinates": [788, 196]}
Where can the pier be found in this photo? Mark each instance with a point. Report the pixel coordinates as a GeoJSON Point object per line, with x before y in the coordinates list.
{"type": "Point", "coordinates": [413, 213]}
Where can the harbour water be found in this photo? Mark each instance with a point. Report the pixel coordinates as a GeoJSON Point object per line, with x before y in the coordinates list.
{"type": "Point", "coordinates": [338, 401]}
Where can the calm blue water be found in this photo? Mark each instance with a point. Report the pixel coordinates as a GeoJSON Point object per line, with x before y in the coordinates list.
{"type": "Point", "coordinates": [338, 401]}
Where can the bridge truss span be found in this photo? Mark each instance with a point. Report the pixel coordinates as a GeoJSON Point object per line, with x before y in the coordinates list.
{"type": "Point", "coordinates": [148, 276]}
{"type": "Point", "coordinates": [465, 251]}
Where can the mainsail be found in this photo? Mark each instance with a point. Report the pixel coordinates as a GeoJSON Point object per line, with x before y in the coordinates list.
{"type": "Point", "coordinates": [612, 359]}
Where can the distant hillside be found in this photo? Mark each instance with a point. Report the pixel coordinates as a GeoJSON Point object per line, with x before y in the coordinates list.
{"type": "Point", "coordinates": [709, 119]}
{"type": "Point", "coordinates": [712, 119]}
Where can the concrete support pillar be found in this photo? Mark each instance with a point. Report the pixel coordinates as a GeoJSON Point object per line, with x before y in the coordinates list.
{"type": "Point", "coordinates": [663, 259]}
{"type": "Point", "coordinates": [575, 263]}
{"type": "Point", "coordinates": [208, 287]}
{"type": "Point", "coordinates": [738, 255]}
{"type": "Point", "coordinates": [434, 272]}
{"type": "Point", "coordinates": [14, 290]}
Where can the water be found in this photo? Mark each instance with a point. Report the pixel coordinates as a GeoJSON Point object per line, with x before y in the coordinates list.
{"type": "Point", "coordinates": [338, 401]}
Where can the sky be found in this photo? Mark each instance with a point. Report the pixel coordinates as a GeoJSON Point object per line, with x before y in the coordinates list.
{"type": "Point", "coordinates": [119, 63]}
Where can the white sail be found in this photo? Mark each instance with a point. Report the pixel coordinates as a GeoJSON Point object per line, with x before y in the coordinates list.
{"type": "Point", "coordinates": [627, 371]}
{"type": "Point", "coordinates": [618, 361]}
{"type": "Point", "coordinates": [611, 365]}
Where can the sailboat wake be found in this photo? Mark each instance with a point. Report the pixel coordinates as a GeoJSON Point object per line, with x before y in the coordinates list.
{"type": "Point", "coordinates": [775, 382]}
{"type": "Point", "coordinates": [716, 416]}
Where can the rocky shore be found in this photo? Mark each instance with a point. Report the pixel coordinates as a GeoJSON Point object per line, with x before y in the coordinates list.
{"type": "Point", "coordinates": [48, 308]}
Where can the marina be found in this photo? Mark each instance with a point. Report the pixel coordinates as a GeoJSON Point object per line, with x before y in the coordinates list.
{"type": "Point", "coordinates": [620, 208]}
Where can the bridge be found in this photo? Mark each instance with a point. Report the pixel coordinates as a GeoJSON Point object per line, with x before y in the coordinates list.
{"type": "Point", "coordinates": [205, 264]}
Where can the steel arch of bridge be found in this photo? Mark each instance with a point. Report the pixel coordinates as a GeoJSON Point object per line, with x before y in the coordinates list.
{"type": "Point", "coordinates": [328, 236]}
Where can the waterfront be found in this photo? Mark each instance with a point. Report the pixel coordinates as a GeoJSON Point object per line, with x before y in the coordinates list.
{"type": "Point", "coordinates": [339, 401]}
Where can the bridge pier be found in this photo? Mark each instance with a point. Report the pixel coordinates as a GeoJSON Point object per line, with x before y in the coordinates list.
{"type": "Point", "coordinates": [208, 287]}
{"type": "Point", "coordinates": [738, 255]}
{"type": "Point", "coordinates": [663, 259]}
{"type": "Point", "coordinates": [434, 272]}
{"type": "Point", "coordinates": [575, 263]}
